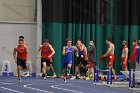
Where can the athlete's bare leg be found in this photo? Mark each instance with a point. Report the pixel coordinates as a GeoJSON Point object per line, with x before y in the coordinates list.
{"type": "Point", "coordinates": [76, 70]}
{"type": "Point", "coordinates": [19, 68]}
{"type": "Point", "coordinates": [44, 69]}
{"type": "Point", "coordinates": [52, 68]}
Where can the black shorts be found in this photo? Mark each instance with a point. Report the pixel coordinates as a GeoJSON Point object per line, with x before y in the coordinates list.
{"type": "Point", "coordinates": [22, 63]}
{"type": "Point", "coordinates": [79, 60]}
{"type": "Point", "coordinates": [48, 62]}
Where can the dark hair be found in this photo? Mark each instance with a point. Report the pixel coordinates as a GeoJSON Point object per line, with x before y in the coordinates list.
{"type": "Point", "coordinates": [79, 39]}
{"type": "Point", "coordinates": [124, 41]}
{"type": "Point", "coordinates": [21, 37]}
{"type": "Point", "coordinates": [108, 39]}
{"type": "Point", "coordinates": [46, 41]}
{"type": "Point", "coordinates": [92, 40]}
{"type": "Point", "coordinates": [20, 40]}
{"type": "Point", "coordinates": [135, 40]}
{"type": "Point", "coordinates": [68, 39]}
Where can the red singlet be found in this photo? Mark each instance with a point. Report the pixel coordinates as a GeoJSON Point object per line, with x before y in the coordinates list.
{"type": "Point", "coordinates": [46, 51]}
{"type": "Point", "coordinates": [21, 52]}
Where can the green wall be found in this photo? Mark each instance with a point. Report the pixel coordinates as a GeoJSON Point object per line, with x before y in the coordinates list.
{"type": "Point", "coordinates": [58, 32]}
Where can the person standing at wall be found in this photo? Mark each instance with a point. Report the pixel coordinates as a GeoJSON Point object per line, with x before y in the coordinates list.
{"type": "Point", "coordinates": [132, 59]}
{"type": "Point", "coordinates": [110, 55]}
{"type": "Point", "coordinates": [124, 59]}
{"type": "Point", "coordinates": [91, 51]}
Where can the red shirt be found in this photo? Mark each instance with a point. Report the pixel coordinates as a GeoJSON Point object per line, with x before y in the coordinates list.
{"type": "Point", "coordinates": [133, 55]}
{"type": "Point", "coordinates": [46, 51]}
{"type": "Point", "coordinates": [21, 52]}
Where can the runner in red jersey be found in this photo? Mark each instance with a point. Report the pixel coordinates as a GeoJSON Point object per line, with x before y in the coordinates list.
{"type": "Point", "coordinates": [26, 72]}
{"type": "Point", "coordinates": [47, 52]}
{"type": "Point", "coordinates": [133, 55]}
{"type": "Point", "coordinates": [20, 57]}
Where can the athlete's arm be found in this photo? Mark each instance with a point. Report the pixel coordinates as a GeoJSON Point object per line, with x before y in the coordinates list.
{"type": "Point", "coordinates": [94, 54]}
{"type": "Point", "coordinates": [63, 51]}
{"type": "Point", "coordinates": [53, 52]}
{"type": "Point", "coordinates": [27, 54]}
{"type": "Point", "coordinates": [85, 49]}
{"type": "Point", "coordinates": [107, 53]}
{"type": "Point", "coordinates": [25, 43]}
{"type": "Point", "coordinates": [14, 54]}
{"type": "Point", "coordinates": [76, 50]}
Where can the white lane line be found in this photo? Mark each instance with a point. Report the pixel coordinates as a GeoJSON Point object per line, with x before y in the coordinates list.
{"type": "Point", "coordinates": [56, 87]}
{"type": "Point", "coordinates": [27, 86]}
{"type": "Point", "coordinates": [4, 90]}
{"type": "Point", "coordinates": [7, 83]}
{"type": "Point", "coordinates": [11, 90]}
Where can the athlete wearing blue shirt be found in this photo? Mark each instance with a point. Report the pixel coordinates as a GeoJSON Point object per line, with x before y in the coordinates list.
{"type": "Point", "coordinates": [67, 53]}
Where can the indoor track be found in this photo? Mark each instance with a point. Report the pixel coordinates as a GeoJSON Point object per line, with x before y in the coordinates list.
{"type": "Point", "coordinates": [54, 85]}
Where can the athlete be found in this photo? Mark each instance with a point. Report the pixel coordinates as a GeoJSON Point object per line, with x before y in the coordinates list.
{"type": "Point", "coordinates": [25, 71]}
{"type": "Point", "coordinates": [81, 57]}
{"type": "Point", "coordinates": [91, 58]}
{"type": "Point", "coordinates": [20, 57]}
{"type": "Point", "coordinates": [133, 55]}
{"type": "Point", "coordinates": [47, 52]}
{"type": "Point", "coordinates": [124, 59]}
{"type": "Point", "coordinates": [51, 66]}
{"type": "Point", "coordinates": [110, 55]}
{"type": "Point", "coordinates": [67, 61]}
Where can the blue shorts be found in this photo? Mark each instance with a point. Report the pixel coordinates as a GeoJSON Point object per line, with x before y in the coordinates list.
{"type": "Point", "coordinates": [65, 64]}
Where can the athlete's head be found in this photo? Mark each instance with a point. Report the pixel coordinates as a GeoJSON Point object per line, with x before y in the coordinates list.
{"type": "Point", "coordinates": [20, 42]}
{"type": "Point", "coordinates": [135, 42]}
{"type": "Point", "coordinates": [69, 42]}
{"type": "Point", "coordinates": [79, 42]}
{"type": "Point", "coordinates": [91, 42]}
{"type": "Point", "coordinates": [45, 42]}
{"type": "Point", "coordinates": [21, 37]}
{"type": "Point", "coordinates": [124, 43]}
{"type": "Point", "coordinates": [108, 40]}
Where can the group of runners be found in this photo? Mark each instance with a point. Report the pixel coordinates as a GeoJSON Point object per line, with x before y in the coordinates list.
{"type": "Point", "coordinates": [85, 57]}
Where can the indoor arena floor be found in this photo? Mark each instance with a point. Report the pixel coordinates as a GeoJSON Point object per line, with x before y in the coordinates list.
{"type": "Point", "coordinates": [54, 85]}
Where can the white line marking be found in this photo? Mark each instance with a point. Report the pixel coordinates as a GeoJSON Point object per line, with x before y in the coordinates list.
{"type": "Point", "coordinates": [55, 86]}
{"type": "Point", "coordinates": [7, 83]}
{"type": "Point", "coordinates": [11, 90]}
{"type": "Point", "coordinates": [4, 90]}
{"type": "Point", "coordinates": [26, 86]}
